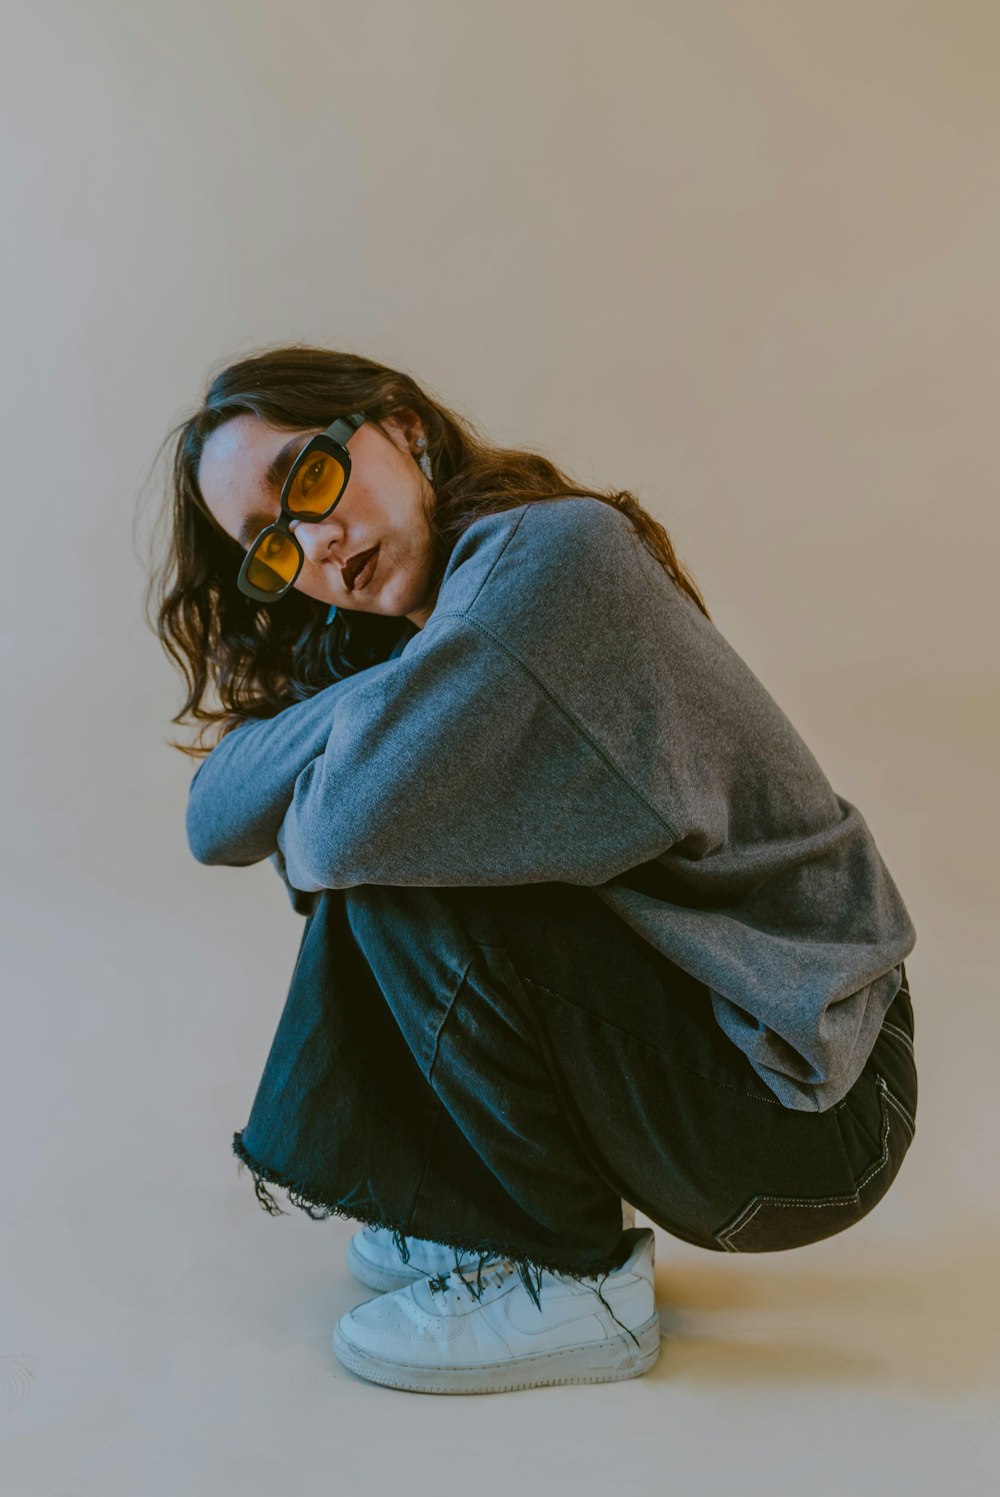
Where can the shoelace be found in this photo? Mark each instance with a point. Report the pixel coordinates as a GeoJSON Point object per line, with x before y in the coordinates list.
{"type": "Point", "coordinates": [450, 1285]}
{"type": "Point", "coordinates": [454, 1282]}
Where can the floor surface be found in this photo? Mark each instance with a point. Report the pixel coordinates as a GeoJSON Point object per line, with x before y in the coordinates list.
{"type": "Point", "coordinates": [163, 1336]}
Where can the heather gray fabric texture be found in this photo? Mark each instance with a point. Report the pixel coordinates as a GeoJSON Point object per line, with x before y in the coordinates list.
{"type": "Point", "coordinates": [568, 714]}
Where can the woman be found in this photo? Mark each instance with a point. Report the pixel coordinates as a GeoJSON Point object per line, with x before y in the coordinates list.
{"type": "Point", "coordinates": [586, 922]}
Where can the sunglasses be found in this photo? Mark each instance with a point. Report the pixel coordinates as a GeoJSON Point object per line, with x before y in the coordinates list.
{"type": "Point", "coordinates": [315, 483]}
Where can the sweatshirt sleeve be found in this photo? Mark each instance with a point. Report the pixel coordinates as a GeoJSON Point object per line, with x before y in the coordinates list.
{"type": "Point", "coordinates": [455, 765]}
{"type": "Point", "coordinates": [241, 790]}
{"type": "Point", "coordinates": [301, 902]}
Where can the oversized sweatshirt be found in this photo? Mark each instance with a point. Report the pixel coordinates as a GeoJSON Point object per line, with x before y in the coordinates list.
{"type": "Point", "coordinates": [568, 714]}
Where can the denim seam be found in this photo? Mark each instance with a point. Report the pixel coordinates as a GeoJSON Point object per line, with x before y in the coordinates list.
{"type": "Point", "coordinates": [445, 1016]}
{"type": "Point", "coordinates": [684, 1065]}
{"type": "Point", "coordinates": [751, 1210]}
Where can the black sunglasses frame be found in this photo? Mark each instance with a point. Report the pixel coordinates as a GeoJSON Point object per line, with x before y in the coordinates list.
{"type": "Point", "coordinates": [333, 441]}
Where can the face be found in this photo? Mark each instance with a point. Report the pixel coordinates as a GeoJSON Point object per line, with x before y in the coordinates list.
{"type": "Point", "coordinates": [386, 503]}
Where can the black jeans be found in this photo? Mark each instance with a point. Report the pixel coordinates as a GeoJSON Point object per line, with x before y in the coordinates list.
{"type": "Point", "coordinates": [495, 1069]}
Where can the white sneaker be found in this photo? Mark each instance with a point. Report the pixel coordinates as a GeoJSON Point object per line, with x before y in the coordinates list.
{"type": "Point", "coordinates": [374, 1258]}
{"type": "Point", "coordinates": [443, 1334]}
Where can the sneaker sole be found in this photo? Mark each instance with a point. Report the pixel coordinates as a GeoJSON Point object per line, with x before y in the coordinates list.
{"type": "Point", "coordinates": [385, 1279]}
{"type": "Point", "coordinates": [597, 1362]}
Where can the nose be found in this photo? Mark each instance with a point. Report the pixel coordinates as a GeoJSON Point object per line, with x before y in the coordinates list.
{"type": "Point", "coordinates": [315, 539]}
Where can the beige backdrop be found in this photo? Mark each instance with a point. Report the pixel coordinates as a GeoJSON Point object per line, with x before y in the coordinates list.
{"type": "Point", "coordinates": [739, 257]}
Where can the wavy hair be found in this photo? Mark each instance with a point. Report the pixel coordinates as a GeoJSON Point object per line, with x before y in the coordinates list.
{"type": "Point", "coordinates": [259, 659]}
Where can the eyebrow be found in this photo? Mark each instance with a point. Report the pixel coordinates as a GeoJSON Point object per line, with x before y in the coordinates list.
{"type": "Point", "coordinates": [274, 477]}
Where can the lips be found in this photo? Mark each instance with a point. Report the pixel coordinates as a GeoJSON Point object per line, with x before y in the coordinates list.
{"type": "Point", "coordinates": [353, 565]}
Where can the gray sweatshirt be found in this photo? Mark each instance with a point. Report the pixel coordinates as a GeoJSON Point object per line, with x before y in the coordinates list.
{"type": "Point", "coordinates": [568, 714]}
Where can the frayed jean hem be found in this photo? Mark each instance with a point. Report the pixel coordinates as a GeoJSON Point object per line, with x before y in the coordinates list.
{"type": "Point", "coordinates": [529, 1267]}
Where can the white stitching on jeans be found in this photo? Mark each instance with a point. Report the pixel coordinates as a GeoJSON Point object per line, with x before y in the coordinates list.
{"type": "Point", "coordinates": [900, 1034]}
{"type": "Point", "coordinates": [751, 1210]}
{"type": "Point", "coordinates": [897, 1104]}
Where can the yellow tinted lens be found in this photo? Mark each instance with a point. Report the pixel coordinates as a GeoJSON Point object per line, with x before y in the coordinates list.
{"type": "Point", "coordinates": [273, 564]}
{"type": "Point", "coordinates": [316, 485]}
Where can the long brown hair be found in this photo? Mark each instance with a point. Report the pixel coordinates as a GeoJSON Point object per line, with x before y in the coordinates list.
{"type": "Point", "coordinates": [260, 659]}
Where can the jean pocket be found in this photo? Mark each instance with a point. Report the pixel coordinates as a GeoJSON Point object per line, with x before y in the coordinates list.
{"type": "Point", "coordinates": [773, 1223]}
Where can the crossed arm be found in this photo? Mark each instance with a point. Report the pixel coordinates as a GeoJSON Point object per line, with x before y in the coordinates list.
{"type": "Point", "coordinates": [450, 765]}
{"type": "Point", "coordinates": [241, 790]}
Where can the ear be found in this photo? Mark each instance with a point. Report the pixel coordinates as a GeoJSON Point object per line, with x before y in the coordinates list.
{"type": "Point", "coordinates": [406, 428]}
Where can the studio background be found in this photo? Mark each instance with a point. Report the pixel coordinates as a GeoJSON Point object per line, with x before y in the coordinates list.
{"type": "Point", "coordinates": [738, 258]}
